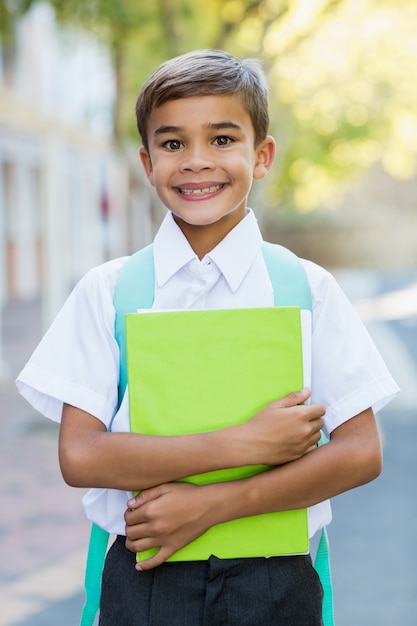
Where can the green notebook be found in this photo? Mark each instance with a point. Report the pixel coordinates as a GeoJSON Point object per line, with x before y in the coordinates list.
{"type": "Point", "coordinates": [200, 370]}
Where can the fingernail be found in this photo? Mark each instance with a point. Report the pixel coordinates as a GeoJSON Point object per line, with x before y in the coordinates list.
{"type": "Point", "coordinates": [131, 502]}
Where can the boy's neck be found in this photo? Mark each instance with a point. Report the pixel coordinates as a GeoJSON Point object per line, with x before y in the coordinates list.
{"type": "Point", "coordinates": [203, 239]}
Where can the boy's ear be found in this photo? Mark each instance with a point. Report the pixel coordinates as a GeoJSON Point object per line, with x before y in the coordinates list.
{"type": "Point", "coordinates": [147, 164]}
{"type": "Point", "coordinates": [265, 154]}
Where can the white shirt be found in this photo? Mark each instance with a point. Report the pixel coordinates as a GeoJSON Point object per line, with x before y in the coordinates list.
{"type": "Point", "coordinates": [77, 362]}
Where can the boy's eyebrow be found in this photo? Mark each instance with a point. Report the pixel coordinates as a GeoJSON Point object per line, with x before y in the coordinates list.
{"type": "Point", "coordinates": [167, 129]}
{"type": "Point", "coordinates": [222, 125]}
{"type": "Point", "coordinates": [162, 130]}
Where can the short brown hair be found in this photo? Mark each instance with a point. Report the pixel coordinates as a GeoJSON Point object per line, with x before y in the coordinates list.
{"type": "Point", "coordinates": [206, 73]}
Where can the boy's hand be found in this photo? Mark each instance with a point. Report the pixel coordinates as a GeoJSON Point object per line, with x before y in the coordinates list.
{"type": "Point", "coordinates": [168, 516]}
{"type": "Point", "coordinates": [283, 431]}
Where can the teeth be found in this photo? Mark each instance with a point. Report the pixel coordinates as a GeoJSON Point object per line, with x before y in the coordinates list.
{"type": "Point", "coordinates": [200, 192]}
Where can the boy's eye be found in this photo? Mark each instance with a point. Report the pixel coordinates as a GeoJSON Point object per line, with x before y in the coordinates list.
{"type": "Point", "coordinates": [222, 141]}
{"type": "Point", "coordinates": [173, 145]}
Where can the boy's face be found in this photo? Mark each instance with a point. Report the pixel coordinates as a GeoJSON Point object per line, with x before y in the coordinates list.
{"type": "Point", "coordinates": [202, 161]}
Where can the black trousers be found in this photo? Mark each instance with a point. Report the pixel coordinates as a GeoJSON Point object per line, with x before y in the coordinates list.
{"type": "Point", "coordinates": [281, 591]}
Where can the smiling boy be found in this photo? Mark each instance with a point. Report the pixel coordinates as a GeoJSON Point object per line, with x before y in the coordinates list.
{"type": "Point", "coordinates": [203, 119]}
{"type": "Point", "coordinates": [201, 157]}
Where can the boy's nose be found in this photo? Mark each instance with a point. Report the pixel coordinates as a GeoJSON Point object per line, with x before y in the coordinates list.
{"type": "Point", "coordinates": [197, 159]}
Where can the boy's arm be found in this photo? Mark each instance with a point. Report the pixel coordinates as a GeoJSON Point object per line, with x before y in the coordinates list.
{"type": "Point", "coordinates": [92, 457]}
{"type": "Point", "coordinates": [172, 516]}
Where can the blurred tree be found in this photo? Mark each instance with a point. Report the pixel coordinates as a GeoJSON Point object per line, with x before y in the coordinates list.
{"type": "Point", "coordinates": [344, 96]}
{"type": "Point", "coordinates": [114, 24]}
{"type": "Point", "coordinates": [10, 10]}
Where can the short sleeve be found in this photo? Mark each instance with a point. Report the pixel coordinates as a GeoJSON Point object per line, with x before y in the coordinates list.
{"type": "Point", "coordinates": [77, 361]}
{"type": "Point", "coordinates": [348, 373]}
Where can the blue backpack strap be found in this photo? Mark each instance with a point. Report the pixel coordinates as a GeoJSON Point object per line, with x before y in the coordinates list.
{"type": "Point", "coordinates": [322, 567]}
{"type": "Point", "coordinates": [134, 290]}
{"type": "Point", "coordinates": [97, 549]}
{"type": "Point", "coordinates": [291, 287]}
{"type": "Point", "coordinates": [288, 277]}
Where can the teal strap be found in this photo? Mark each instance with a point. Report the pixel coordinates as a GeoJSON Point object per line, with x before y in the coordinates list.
{"type": "Point", "coordinates": [95, 560]}
{"type": "Point", "coordinates": [322, 567]}
{"type": "Point", "coordinates": [288, 277]}
{"type": "Point", "coordinates": [135, 290]}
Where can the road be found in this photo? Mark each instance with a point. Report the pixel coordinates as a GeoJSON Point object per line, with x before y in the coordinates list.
{"type": "Point", "coordinates": [374, 531]}
{"type": "Point", "coordinates": [43, 533]}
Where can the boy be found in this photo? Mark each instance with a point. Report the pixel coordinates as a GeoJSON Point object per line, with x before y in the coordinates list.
{"type": "Point", "coordinates": [203, 120]}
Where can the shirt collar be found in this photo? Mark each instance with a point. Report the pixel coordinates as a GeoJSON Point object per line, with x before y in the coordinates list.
{"type": "Point", "coordinates": [233, 256]}
{"type": "Point", "coordinates": [171, 250]}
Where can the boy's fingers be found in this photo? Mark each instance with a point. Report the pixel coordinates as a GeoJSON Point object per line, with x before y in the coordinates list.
{"type": "Point", "coordinates": [144, 496]}
{"type": "Point", "coordinates": [160, 557]}
{"type": "Point", "coordinates": [294, 398]}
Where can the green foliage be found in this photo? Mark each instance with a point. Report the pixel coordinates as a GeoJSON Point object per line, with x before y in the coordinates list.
{"type": "Point", "coordinates": [10, 11]}
{"type": "Point", "coordinates": [349, 90]}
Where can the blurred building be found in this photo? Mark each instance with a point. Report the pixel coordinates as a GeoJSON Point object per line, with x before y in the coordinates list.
{"type": "Point", "coordinates": [68, 197]}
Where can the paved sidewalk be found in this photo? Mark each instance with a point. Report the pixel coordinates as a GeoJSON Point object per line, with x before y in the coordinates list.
{"type": "Point", "coordinates": [43, 531]}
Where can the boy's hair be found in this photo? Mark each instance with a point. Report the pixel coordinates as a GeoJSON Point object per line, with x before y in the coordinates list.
{"type": "Point", "coordinates": [206, 73]}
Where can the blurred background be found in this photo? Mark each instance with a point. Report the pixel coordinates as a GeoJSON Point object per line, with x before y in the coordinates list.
{"type": "Point", "coordinates": [343, 192]}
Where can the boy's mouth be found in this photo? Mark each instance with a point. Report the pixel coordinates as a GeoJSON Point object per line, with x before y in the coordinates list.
{"type": "Point", "coordinates": [200, 191]}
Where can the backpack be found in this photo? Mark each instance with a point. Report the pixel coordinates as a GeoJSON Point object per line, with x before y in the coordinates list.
{"type": "Point", "coordinates": [291, 288]}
